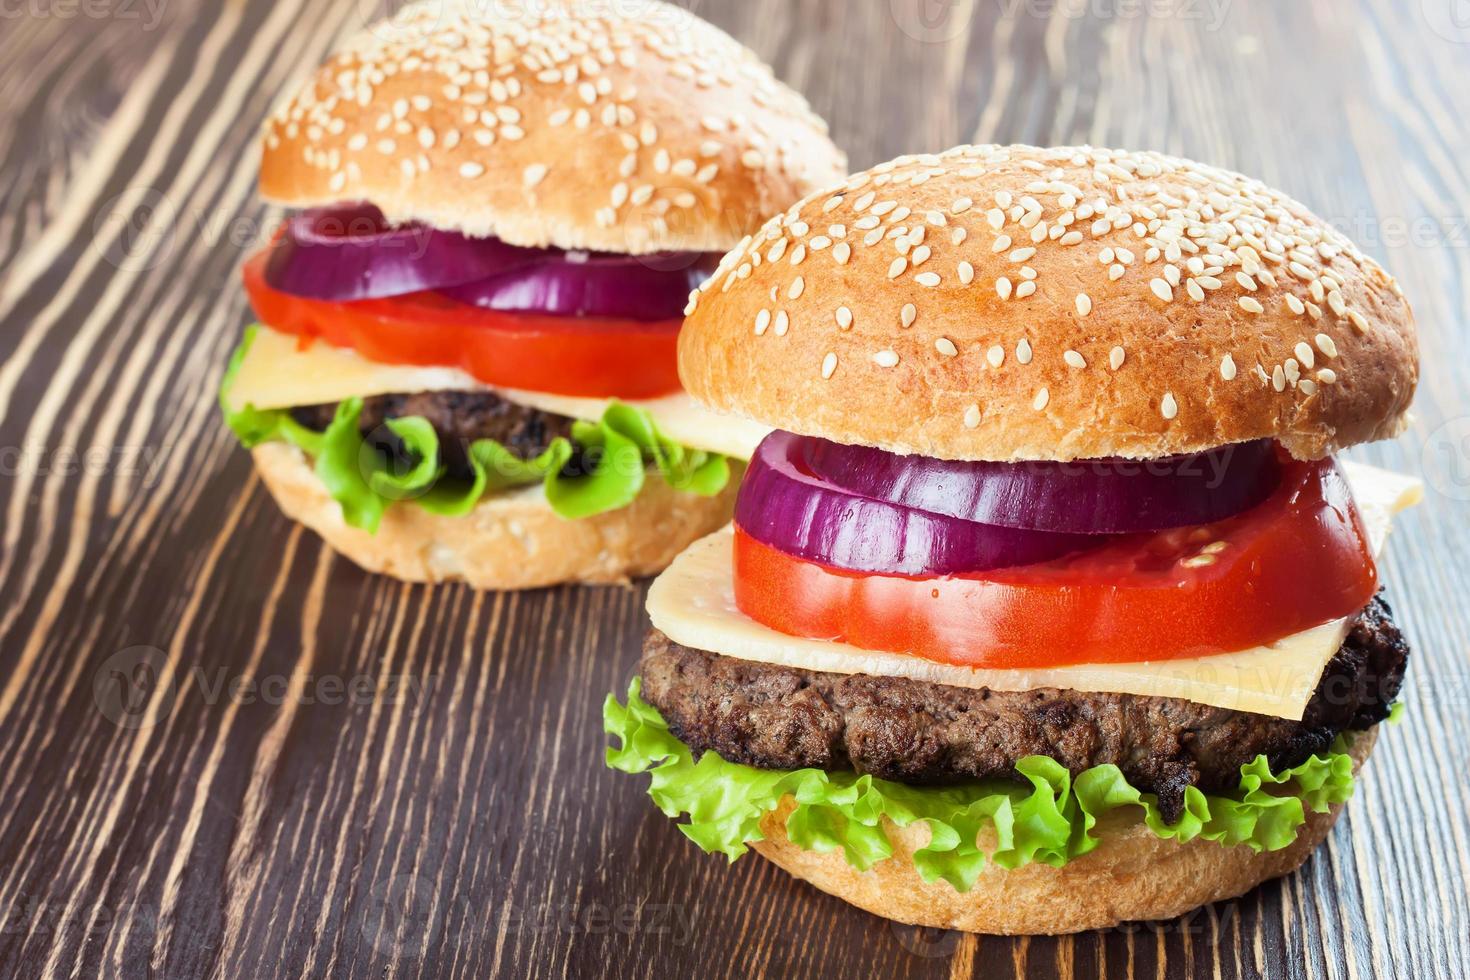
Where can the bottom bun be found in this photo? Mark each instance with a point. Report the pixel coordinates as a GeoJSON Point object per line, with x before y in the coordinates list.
{"type": "Point", "coordinates": [1132, 876]}
{"type": "Point", "coordinates": [510, 541]}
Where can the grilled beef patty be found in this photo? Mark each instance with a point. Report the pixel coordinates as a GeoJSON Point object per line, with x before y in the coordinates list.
{"type": "Point", "coordinates": [916, 732]}
{"type": "Point", "coordinates": [459, 417]}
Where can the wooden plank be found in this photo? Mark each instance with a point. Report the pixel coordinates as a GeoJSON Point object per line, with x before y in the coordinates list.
{"type": "Point", "coordinates": [457, 821]}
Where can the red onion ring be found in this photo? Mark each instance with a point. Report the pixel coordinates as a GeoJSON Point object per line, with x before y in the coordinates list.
{"type": "Point", "coordinates": [783, 503]}
{"type": "Point", "coordinates": [634, 287]}
{"type": "Point", "coordinates": [1111, 496]}
{"type": "Point", "coordinates": [351, 253]}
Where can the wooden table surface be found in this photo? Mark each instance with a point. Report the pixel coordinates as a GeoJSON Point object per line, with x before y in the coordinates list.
{"type": "Point", "coordinates": [224, 751]}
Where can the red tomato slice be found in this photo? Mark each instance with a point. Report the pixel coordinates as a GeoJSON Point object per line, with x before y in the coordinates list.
{"type": "Point", "coordinates": [582, 356]}
{"type": "Point", "coordinates": [1296, 561]}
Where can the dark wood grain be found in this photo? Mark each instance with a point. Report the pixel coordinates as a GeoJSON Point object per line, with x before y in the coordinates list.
{"type": "Point", "coordinates": [454, 818]}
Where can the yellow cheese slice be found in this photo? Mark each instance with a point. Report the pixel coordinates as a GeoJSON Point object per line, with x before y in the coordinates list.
{"type": "Point", "coordinates": [276, 373]}
{"type": "Point", "coordinates": [694, 604]}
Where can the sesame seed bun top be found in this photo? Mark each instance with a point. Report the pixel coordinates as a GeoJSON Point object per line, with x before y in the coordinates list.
{"type": "Point", "coordinates": [1013, 303]}
{"type": "Point", "coordinates": [575, 123]}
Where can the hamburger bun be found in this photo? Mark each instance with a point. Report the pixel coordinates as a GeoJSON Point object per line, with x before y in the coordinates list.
{"type": "Point", "coordinates": [1016, 303]}
{"type": "Point", "coordinates": [579, 124]}
{"type": "Point", "coordinates": [1132, 876]}
{"type": "Point", "coordinates": [512, 540]}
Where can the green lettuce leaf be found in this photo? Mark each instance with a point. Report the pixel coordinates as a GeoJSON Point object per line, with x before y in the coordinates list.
{"type": "Point", "coordinates": [1052, 821]}
{"type": "Point", "coordinates": [365, 482]}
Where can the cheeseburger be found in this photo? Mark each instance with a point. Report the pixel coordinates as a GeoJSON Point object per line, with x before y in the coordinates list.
{"type": "Point", "coordinates": [465, 366]}
{"type": "Point", "coordinates": [1046, 606]}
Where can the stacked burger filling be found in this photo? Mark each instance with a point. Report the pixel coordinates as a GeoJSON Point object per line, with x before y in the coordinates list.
{"type": "Point", "coordinates": [1050, 575]}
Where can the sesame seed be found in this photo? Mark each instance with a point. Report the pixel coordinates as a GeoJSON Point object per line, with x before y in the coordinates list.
{"type": "Point", "coordinates": [471, 170]}
{"type": "Point", "coordinates": [1025, 289]}
{"type": "Point", "coordinates": [798, 286]}
{"type": "Point", "coordinates": [967, 273]}
{"type": "Point", "coordinates": [844, 318]}
{"type": "Point", "coordinates": [972, 417]}
{"type": "Point", "coordinates": [1250, 304]}
{"type": "Point", "coordinates": [996, 355]}
{"type": "Point", "coordinates": [842, 252]}
{"type": "Point", "coordinates": [1305, 355]}
{"type": "Point", "coordinates": [1308, 387]}
{"type": "Point", "coordinates": [908, 315]}
{"type": "Point", "coordinates": [1023, 351]}
{"type": "Point", "coordinates": [1326, 345]}
{"type": "Point", "coordinates": [1199, 561]}
{"type": "Point", "coordinates": [1169, 407]}
{"type": "Point", "coordinates": [762, 322]}
{"type": "Point", "coordinates": [1227, 368]}
{"type": "Point", "coordinates": [829, 365]}
{"type": "Point", "coordinates": [946, 347]}
{"type": "Point", "coordinates": [1116, 357]}
{"type": "Point", "coordinates": [885, 359]}
{"type": "Point", "coordinates": [1327, 376]}
{"type": "Point", "coordinates": [535, 174]}
{"type": "Point", "coordinates": [1162, 290]}
{"type": "Point", "coordinates": [1074, 359]}
{"type": "Point", "coordinates": [929, 279]}
{"type": "Point", "coordinates": [1021, 254]}
{"type": "Point", "coordinates": [997, 218]}
{"type": "Point", "coordinates": [1040, 401]}
{"type": "Point", "coordinates": [1359, 321]}
{"type": "Point", "coordinates": [783, 323]}
{"type": "Point", "coordinates": [1003, 287]}
{"type": "Point", "coordinates": [1084, 304]}
{"type": "Point", "coordinates": [1278, 378]}
{"type": "Point", "coordinates": [899, 267]}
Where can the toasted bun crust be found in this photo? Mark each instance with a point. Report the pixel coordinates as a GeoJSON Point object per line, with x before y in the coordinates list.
{"type": "Point", "coordinates": [512, 541]}
{"type": "Point", "coordinates": [1010, 303]}
{"type": "Point", "coordinates": [575, 123]}
{"type": "Point", "coordinates": [1132, 876]}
